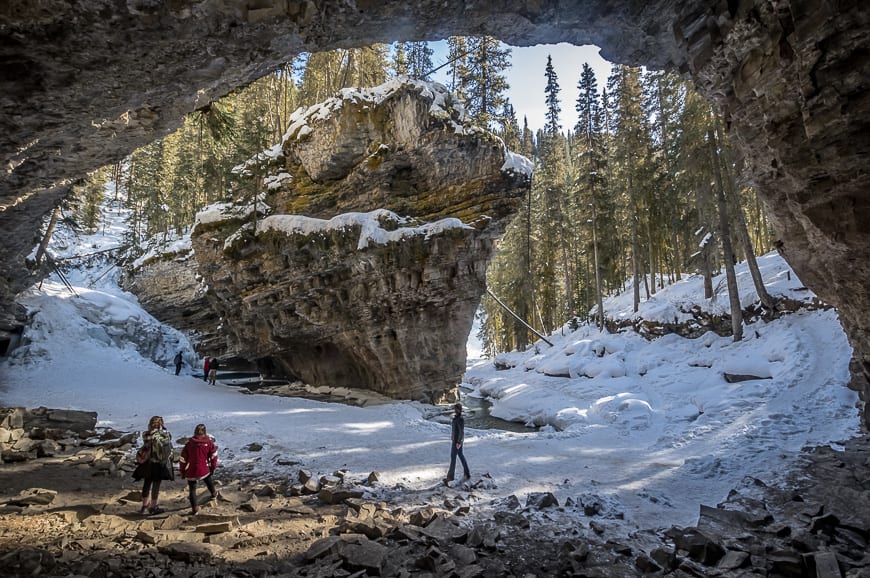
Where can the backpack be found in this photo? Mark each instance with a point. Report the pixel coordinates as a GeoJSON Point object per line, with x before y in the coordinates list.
{"type": "Point", "coordinates": [161, 448]}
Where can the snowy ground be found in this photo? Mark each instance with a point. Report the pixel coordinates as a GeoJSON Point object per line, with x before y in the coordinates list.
{"type": "Point", "coordinates": [648, 430]}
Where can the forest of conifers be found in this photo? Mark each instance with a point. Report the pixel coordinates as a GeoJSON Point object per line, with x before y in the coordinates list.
{"type": "Point", "coordinates": [644, 185]}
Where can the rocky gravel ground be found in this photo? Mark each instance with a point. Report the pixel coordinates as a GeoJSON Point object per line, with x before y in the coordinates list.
{"type": "Point", "coordinates": [68, 507]}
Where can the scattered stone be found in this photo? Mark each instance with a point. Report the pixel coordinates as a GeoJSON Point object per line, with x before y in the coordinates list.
{"type": "Point", "coordinates": [265, 491]}
{"type": "Point", "coordinates": [27, 562]}
{"type": "Point", "coordinates": [444, 529]}
{"type": "Point", "coordinates": [191, 552]}
{"type": "Point", "coordinates": [215, 527]}
{"type": "Point", "coordinates": [736, 377]}
{"type": "Point", "coordinates": [826, 565]}
{"type": "Point", "coordinates": [422, 517]}
{"type": "Point", "coordinates": [698, 546]}
{"type": "Point", "coordinates": [324, 547]}
{"type": "Point", "coordinates": [541, 500]}
{"type": "Point", "coordinates": [330, 480]}
{"type": "Point", "coordinates": [512, 502]}
{"type": "Point", "coordinates": [364, 554]}
{"type": "Point", "coordinates": [167, 536]}
{"type": "Point", "coordinates": [733, 560]}
{"type": "Point", "coordinates": [33, 497]}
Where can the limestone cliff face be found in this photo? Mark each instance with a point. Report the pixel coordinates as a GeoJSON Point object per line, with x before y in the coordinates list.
{"type": "Point", "coordinates": [384, 209]}
{"type": "Point", "coordinates": [169, 284]}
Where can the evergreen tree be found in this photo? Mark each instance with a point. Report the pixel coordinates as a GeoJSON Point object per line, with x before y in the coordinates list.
{"type": "Point", "coordinates": [555, 291]}
{"type": "Point", "coordinates": [528, 140]}
{"type": "Point", "coordinates": [630, 141]}
{"type": "Point", "coordinates": [400, 59]}
{"type": "Point", "coordinates": [86, 200]}
{"type": "Point", "coordinates": [552, 125]}
{"type": "Point", "coordinates": [510, 130]}
{"type": "Point", "coordinates": [591, 178]}
{"type": "Point", "coordinates": [484, 83]}
{"type": "Point", "coordinates": [457, 56]}
{"type": "Point", "coordinates": [419, 60]}
{"type": "Point", "coordinates": [327, 72]}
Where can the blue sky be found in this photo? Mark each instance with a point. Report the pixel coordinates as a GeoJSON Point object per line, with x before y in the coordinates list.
{"type": "Point", "coordinates": [527, 82]}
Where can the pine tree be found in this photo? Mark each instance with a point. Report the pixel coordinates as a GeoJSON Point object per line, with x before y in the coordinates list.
{"type": "Point", "coordinates": [419, 60]}
{"type": "Point", "coordinates": [399, 62]}
{"type": "Point", "coordinates": [457, 56]}
{"type": "Point", "coordinates": [552, 125]}
{"type": "Point", "coordinates": [591, 181]}
{"type": "Point", "coordinates": [510, 130]}
{"type": "Point", "coordinates": [630, 142]}
{"type": "Point", "coordinates": [484, 83]}
{"type": "Point", "coordinates": [527, 147]}
{"type": "Point", "coordinates": [556, 286]}
{"type": "Point", "coordinates": [86, 200]}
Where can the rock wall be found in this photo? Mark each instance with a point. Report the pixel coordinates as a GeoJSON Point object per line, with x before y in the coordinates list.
{"type": "Point", "coordinates": [792, 75]}
{"type": "Point", "coordinates": [171, 286]}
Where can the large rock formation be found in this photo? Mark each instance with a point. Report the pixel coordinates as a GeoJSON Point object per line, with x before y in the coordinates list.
{"type": "Point", "coordinates": [82, 84]}
{"type": "Point", "coordinates": [353, 294]}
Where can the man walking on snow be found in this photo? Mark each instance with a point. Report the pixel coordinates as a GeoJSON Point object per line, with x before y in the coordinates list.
{"type": "Point", "coordinates": [457, 439]}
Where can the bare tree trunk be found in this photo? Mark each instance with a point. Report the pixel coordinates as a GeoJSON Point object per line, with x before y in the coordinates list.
{"type": "Point", "coordinates": [598, 293]}
{"type": "Point", "coordinates": [703, 202]}
{"type": "Point", "coordinates": [527, 292]}
{"type": "Point", "coordinates": [733, 202]}
{"type": "Point", "coordinates": [566, 268]}
{"type": "Point", "coordinates": [635, 265]}
{"type": "Point", "coordinates": [43, 245]}
{"type": "Point", "coordinates": [725, 238]}
{"type": "Point", "coordinates": [652, 258]}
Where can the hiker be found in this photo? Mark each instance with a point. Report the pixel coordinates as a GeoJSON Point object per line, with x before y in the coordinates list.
{"type": "Point", "coordinates": [213, 366]}
{"type": "Point", "coordinates": [198, 462]}
{"type": "Point", "coordinates": [205, 369]}
{"type": "Point", "coordinates": [457, 439]}
{"type": "Point", "coordinates": [155, 463]}
{"type": "Point", "coordinates": [178, 361]}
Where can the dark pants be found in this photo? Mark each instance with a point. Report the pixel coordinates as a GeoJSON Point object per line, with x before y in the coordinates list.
{"type": "Point", "coordinates": [454, 451]}
{"type": "Point", "coordinates": [191, 489]}
{"type": "Point", "coordinates": [177, 368]}
{"type": "Point", "coordinates": [153, 477]}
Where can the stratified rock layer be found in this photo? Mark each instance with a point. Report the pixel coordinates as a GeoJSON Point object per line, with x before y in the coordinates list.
{"type": "Point", "coordinates": [352, 294]}
{"type": "Point", "coordinates": [391, 317]}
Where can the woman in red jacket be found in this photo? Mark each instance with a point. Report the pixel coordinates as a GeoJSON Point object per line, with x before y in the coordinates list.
{"type": "Point", "coordinates": [197, 462]}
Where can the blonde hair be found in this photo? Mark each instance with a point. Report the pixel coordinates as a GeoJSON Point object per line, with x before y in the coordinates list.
{"type": "Point", "coordinates": [199, 430]}
{"type": "Point", "coordinates": [156, 422]}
